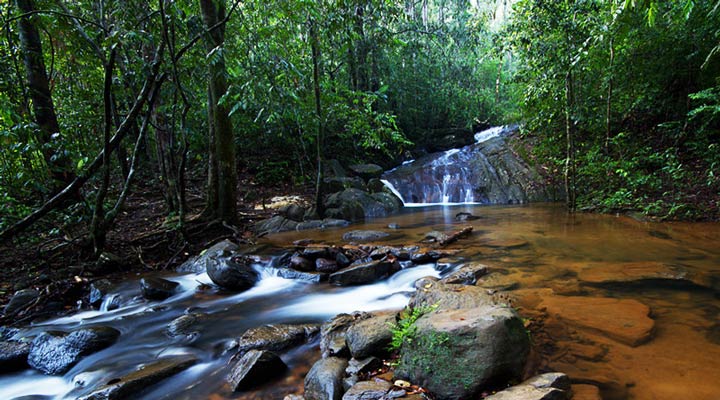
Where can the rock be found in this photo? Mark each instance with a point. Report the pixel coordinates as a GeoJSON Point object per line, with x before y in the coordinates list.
{"type": "Point", "coordinates": [128, 386]}
{"type": "Point", "coordinates": [375, 185]}
{"type": "Point", "coordinates": [301, 263]}
{"type": "Point", "coordinates": [236, 274]}
{"type": "Point", "coordinates": [550, 386]}
{"type": "Point", "coordinates": [288, 273]}
{"type": "Point", "coordinates": [333, 167]}
{"type": "Point", "coordinates": [465, 216]}
{"type": "Point", "coordinates": [361, 274]}
{"type": "Point", "coordinates": [370, 337]}
{"type": "Point", "coordinates": [368, 390]}
{"type": "Point", "coordinates": [324, 380]}
{"type": "Point", "coordinates": [325, 265]}
{"type": "Point", "coordinates": [367, 171]}
{"type": "Point", "coordinates": [275, 224]}
{"type": "Point", "coordinates": [342, 260]}
{"type": "Point", "coordinates": [506, 243]}
{"type": "Point", "coordinates": [393, 225]}
{"type": "Point", "coordinates": [275, 337]}
{"type": "Point", "coordinates": [642, 273]}
{"type": "Point", "coordinates": [183, 325]}
{"type": "Point", "coordinates": [456, 353]}
{"type": "Point", "coordinates": [98, 290]}
{"type": "Point", "coordinates": [435, 237]}
{"type": "Point", "coordinates": [467, 274]}
{"type": "Point", "coordinates": [56, 352]}
{"type": "Point", "coordinates": [197, 264]}
{"type": "Point", "coordinates": [255, 368]}
{"type": "Point", "coordinates": [363, 366]}
{"type": "Point", "coordinates": [338, 184]}
{"type": "Point", "coordinates": [157, 288]}
{"type": "Point", "coordinates": [293, 212]}
{"type": "Point", "coordinates": [449, 297]}
{"type": "Point", "coordinates": [21, 300]}
{"type": "Point", "coordinates": [293, 397]}
{"type": "Point", "coordinates": [315, 252]}
{"type": "Point", "coordinates": [356, 205]}
{"type": "Point", "coordinates": [623, 320]}
{"type": "Point", "coordinates": [364, 236]}
{"type": "Point", "coordinates": [332, 333]}
{"type": "Point", "coordinates": [13, 356]}
{"type": "Point", "coordinates": [322, 224]}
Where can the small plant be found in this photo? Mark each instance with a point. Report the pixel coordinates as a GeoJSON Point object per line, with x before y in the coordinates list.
{"type": "Point", "coordinates": [404, 330]}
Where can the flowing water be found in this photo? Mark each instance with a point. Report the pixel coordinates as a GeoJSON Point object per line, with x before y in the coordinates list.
{"type": "Point", "coordinates": [538, 248]}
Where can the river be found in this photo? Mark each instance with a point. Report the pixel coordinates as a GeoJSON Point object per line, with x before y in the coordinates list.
{"type": "Point", "coordinates": [536, 251]}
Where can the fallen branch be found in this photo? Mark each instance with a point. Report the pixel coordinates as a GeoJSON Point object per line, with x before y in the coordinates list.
{"type": "Point", "coordinates": [456, 235]}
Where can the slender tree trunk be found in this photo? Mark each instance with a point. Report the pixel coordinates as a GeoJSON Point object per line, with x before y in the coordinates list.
{"type": "Point", "coordinates": [315, 47]}
{"type": "Point", "coordinates": [608, 104]}
{"type": "Point", "coordinates": [569, 141]}
{"type": "Point", "coordinates": [221, 134]}
{"type": "Point", "coordinates": [60, 168]}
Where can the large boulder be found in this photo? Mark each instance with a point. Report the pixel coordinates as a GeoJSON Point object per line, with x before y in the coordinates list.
{"type": "Point", "coordinates": [235, 274]}
{"type": "Point", "coordinates": [129, 385]}
{"type": "Point", "coordinates": [367, 171]}
{"type": "Point", "coordinates": [356, 205]}
{"type": "Point", "coordinates": [157, 288]}
{"type": "Point", "coordinates": [255, 368]}
{"type": "Point", "coordinates": [56, 352]}
{"type": "Point", "coordinates": [455, 353]}
{"type": "Point", "coordinates": [448, 296]}
{"type": "Point", "coordinates": [21, 300]}
{"type": "Point", "coordinates": [197, 264]}
{"type": "Point", "coordinates": [371, 336]}
{"type": "Point", "coordinates": [324, 380]}
{"type": "Point", "coordinates": [467, 274]}
{"type": "Point", "coordinates": [338, 184]}
{"type": "Point", "coordinates": [333, 332]}
{"type": "Point", "coordinates": [360, 274]}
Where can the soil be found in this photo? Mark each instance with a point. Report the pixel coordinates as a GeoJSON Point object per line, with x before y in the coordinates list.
{"type": "Point", "coordinates": [143, 239]}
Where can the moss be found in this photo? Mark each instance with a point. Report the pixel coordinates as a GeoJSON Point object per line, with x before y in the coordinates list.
{"type": "Point", "coordinates": [437, 359]}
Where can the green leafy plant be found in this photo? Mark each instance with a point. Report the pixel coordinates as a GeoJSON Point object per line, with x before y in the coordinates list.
{"type": "Point", "coordinates": [404, 330]}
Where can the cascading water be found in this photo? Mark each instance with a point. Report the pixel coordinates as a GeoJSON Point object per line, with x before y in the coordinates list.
{"type": "Point", "coordinates": [486, 172]}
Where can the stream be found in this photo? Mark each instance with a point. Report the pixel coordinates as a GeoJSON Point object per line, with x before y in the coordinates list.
{"type": "Point", "coordinates": [536, 247]}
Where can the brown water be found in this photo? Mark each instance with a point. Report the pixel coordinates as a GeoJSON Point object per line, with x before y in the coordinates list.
{"type": "Point", "coordinates": [551, 254]}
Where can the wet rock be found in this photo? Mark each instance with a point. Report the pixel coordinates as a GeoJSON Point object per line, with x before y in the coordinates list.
{"type": "Point", "coordinates": [13, 356]}
{"type": "Point", "coordinates": [324, 380]}
{"type": "Point", "coordinates": [364, 236]}
{"type": "Point", "coordinates": [449, 297]}
{"type": "Point", "coordinates": [370, 337]}
{"type": "Point", "coordinates": [293, 212]}
{"type": "Point", "coordinates": [342, 260]}
{"type": "Point", "coordinates": [550, 386]}
{"type": "Point", "coordinates": [467, 274]}
{"type": "Point", "coordinates": [315, 252]}
{"type": "Point", "coordinates": [325, 265]}
{"type": "Point", "coordinates": [56, 352]}
{"type": "Point", "coordinates": [183, 325]}
{"type": "Point", "coordinates": [338, 184]}
{"type": "Point", "coordinates": [435, 237]}
{"type": "Point", "coordinates": [642, 273]}
{"type": "Point", "coordinates": [197, 264]}
{"type": "Point", "coordinates": [363, 366]}
{"type": "Point", "coordinates": [301, 263]}
{"type": "Point", "coordinates": [623, 320]}
{"type": "Point", "coordinates": [361, 274]}
{"type": "Point", "coordinates": [21, 300]}
{"type": "Point", "coordinates": [332, 334]}
{"type": "Point", "coordinates": [393, 225]}
{"type": "Point", "coordinates": [465, 216]}
{"type": "Point", "coordinates": [322, 224]}
{"type": "Point", "coordinates": [375, 185]}
{"type": "Point", "coordinates": [367, 171]}
{"type": "Point", "coordinates": [8, 333]}
{"type": "Point", "coordinates": [368, 390]}
{"type": "Point", "coordinates": [236, 274]}
{"type": "Point", "coordinates": [456, 353]}
{"type": "Point", "coordinates": [275, 224]}
{"type": "Point", "coordinates": [98, 290]}
{"type": "Point", "coordinates": [255, 368]}
{"type": "Point", "coordinates": [128, 386]}
{"type": "Point", "coordinates": [315, 277]}
{"type": "Point", "coordinates": [275, 337]}
{"type": "Point", "coordinates": [157, 288]}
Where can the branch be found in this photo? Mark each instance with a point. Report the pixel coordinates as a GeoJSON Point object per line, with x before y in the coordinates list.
{"type": "Point", "coordinates": [51, 12]}
{"type": "Point", "coordinates": [81, 179]}
{"type": "Point", "coordinates": [199, 36]}
{"type": "Point", "coordinates": [76, 22]}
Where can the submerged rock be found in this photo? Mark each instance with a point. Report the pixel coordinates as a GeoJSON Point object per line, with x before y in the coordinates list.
{"type": "Point", "coordinates": [183, 325]}
{"type": "Point", "coordinates": [324, 380]}
{"type": "Point", "coordinates": [127, 387]}
{"type": "Point", "coordinates": [364, 236]}
{"type": "Point", "coordinates": [624, 320]}
{"type": "Point", "coordinates": [56, 352]}
{"type": "Point", "coordinates": [255, 368]}
{"type": "Point", "coordinates": [236, 274]}
{"type": "Point", "coordinates": [157, 288]}
{"type": "Point", "coordinates": [455, 353]}
{"type": "Point", "coordinates": [643, 273]}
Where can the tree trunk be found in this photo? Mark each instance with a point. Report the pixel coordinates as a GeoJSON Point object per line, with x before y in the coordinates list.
{"type": "Point", "coordinates": [569, 141]}
{"type": "Point", "coordinates": [224, 180]}
{"type": "Point", "coordinates": [609, 98]}
{"type": "Point", "coordinates": [59, 167]}
{"type": "Point", "coordinates": [315, 45]}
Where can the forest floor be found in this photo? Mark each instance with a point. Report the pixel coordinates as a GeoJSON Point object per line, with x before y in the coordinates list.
{"type": "Point", "coordinates": [142, 240]}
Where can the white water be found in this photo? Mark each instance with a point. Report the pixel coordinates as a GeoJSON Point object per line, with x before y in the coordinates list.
{"type": "Point", "coordinates": [488, 134]}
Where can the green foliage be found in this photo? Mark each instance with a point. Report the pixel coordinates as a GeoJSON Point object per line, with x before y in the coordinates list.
{"type": "Point", "coordinates": [404, 330]}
